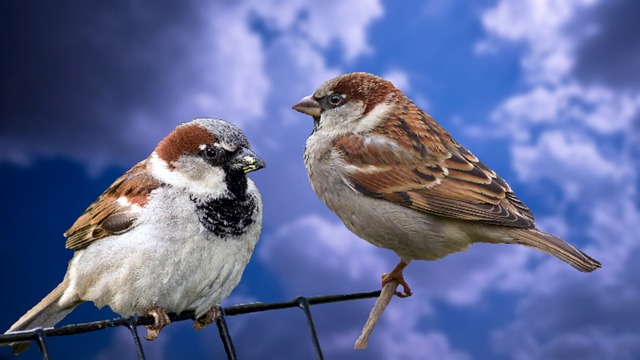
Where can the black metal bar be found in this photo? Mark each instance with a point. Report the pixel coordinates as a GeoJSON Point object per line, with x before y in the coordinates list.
{"type": "Point", "coordinates": [40, 335]}
{"type": "Point", "coordinates": [225, 336]}
{"type": "Point", "coordinates": [327, 299]}
{"type": "Point", "coordinates": [42, 343]}
{"type": "Point", "coordinates": [314, 300]}
{"type": "Point", "coordinates": [303, 303]}
{"type": "Point", "coordinates": [132, 324]}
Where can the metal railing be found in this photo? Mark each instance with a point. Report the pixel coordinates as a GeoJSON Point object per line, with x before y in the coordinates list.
{"type": "Point", "coordinates": [40, 335]}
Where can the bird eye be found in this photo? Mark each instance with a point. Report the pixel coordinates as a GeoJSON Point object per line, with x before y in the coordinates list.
{"type": "Point", "coordinates": [212, 152]}
{"type": "Point", "coordinates": [336, 100]}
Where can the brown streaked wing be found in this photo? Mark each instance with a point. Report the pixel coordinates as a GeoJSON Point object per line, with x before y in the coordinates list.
{"type": "Point", "coordinates": [453, 184]}
{"type": "Point", "coordinates": [106, 216]}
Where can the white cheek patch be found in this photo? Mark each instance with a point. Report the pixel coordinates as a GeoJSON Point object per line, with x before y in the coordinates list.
{"type": "Point", "coordinates": [373, 118]}
{"type": "Point", "coordinates": [206, 181]}
{"type": "Point", "coordinates": [210, 183]}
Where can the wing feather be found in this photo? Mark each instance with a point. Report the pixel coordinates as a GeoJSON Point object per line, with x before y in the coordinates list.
{"type": "Point", "coordinates": [426, 176]}
{"type": "Point", "coordinates": [116, 210]}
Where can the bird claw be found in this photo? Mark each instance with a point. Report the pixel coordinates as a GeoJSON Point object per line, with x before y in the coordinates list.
{"type": "Point", "coordinates": [210, 316]}
{"type": "Point", "coordinates": [396, 275]}
{"type": "Point", "coordinates": [161, 319]}
{"type": "Point", "coordinates": [389, 277]}
{"type": "Point", "coordinates": [406, 291]}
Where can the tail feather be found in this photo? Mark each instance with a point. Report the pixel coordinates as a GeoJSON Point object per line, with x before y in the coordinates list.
{"type": "Point", "coordinates": [46, 313]}
{"type": "Point", "coordinates": [557, 247]}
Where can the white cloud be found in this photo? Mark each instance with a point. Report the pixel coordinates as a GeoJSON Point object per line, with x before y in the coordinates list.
{"type": "Point", "coordinates": [592, 108]}
{"type": "Point", "coordinates": [576, 137]}
{"type": "Point", "coordinates": [399, 78]}
{"type": "Point", "coordinates": [330, 254]}
{"type": "Point", "coordinates": [416, 345]}
{"type": "Point", "coordinates": [613, 228]}
{"type": "Point", "coordinates": [540, 25]}
{"type": "Point", "coordinates": [291, 83]}
{"type": "Point", "coordinates": [571, 161]}
{"type": "Point", "coordinates": [312, 255]}
{"type": "Point", "coordinates": [463, 279]}
{"type": "Point", "coordinates": [214, 60]}
{"type": "Point", "coordinates": [326, 252]}
{"type": "Point", "coordinates": [541, 105]}
{"type": "Point", "coordinates": [586, 316]}
{"type": "Point", "coordinates": [228, 62]}
{"type": "Point", "coordinates": [341, 22]}
{"type": "Point", "coordinates": [316, 256]}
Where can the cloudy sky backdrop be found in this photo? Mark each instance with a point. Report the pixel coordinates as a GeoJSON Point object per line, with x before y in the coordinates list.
{"type": "Point", "coordinates": [547, 93]}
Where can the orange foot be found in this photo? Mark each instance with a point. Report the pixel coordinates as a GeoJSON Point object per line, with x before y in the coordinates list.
{"type": "Point", "coordinates": [210, 316]}
{"type": "Point", "coordinates": [396, 275]}
{"type": "Point", "coordinates": [161, 320]}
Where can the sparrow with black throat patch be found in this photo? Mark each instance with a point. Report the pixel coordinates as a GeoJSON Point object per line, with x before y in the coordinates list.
{"type": "Point", "coordinates": [400, 181]}
{"type": "Point", "coordinates": [173, 233]}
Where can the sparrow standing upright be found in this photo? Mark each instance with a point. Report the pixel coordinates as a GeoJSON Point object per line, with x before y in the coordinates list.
{"type": "Point", "coordinates": [400, 181]}
{"type": "Point", "coordinates": [173, 233]}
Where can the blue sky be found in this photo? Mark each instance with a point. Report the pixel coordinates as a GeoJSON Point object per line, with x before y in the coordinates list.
{"type": "Point", "coordinates": [546, 93]}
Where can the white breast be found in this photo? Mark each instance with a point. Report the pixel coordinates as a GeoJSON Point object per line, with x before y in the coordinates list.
{"type": "Point", "coordinates": [169, 259]}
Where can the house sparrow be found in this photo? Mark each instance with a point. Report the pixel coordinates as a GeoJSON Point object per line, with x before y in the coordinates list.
{"type": "Point", "coordinates": [400, 181]}
{"type": "Point", "coordinates": [173, 233]}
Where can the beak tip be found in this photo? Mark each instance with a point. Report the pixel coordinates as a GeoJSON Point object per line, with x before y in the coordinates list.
{"type": "Point", "coordinates": [247, 161]}
{"type": "Point", "coordinates": [253, 163]}
{"type": "Point", "coordinates": [309, 106]}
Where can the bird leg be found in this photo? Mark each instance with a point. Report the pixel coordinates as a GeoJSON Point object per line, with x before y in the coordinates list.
{"type": "Point", "coordinates": [210, 316]}
{"type": "Point", "coordinates": [161, 319]}
{"type": "Point", "coordinates": [396, 274]}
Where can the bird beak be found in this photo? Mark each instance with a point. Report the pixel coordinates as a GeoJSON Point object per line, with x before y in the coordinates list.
{"type": "Point", "coordinates": [247, 161]}
{"type": "Point", "coordinates": [308, 105]}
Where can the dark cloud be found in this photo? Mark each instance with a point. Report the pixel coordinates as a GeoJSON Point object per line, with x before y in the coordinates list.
{"type": "Point", "coordinates": [581, 320]}
{"type": "Point", "coordinates": [75, 75]}
{"type": "Point", "coordinates": [611, 55]}
{"type": "Point", "coordinates": [583, 316]}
